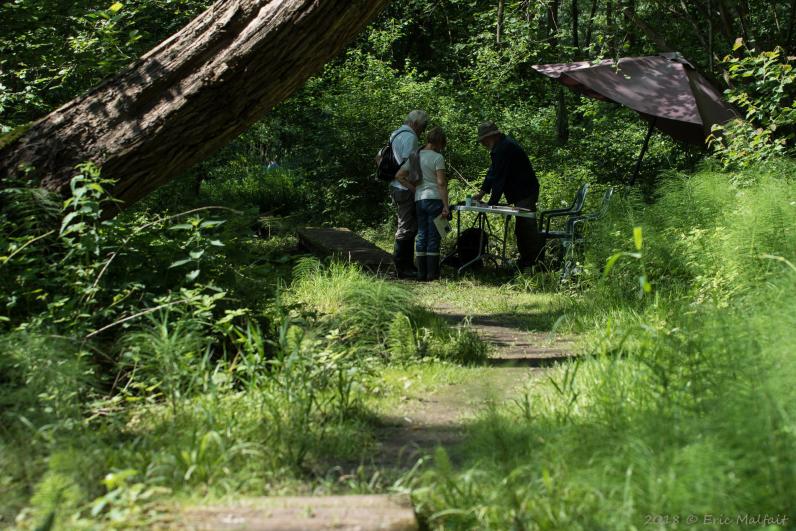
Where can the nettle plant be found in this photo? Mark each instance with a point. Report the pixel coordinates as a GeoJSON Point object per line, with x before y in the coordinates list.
{"type": "Point", "coordinates": [765, 91]}
{"type": "Point", "coordinates": [67, 267]}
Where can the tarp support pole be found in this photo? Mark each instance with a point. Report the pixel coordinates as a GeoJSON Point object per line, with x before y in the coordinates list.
{"type": "Point", "coordinates": [643, 150]}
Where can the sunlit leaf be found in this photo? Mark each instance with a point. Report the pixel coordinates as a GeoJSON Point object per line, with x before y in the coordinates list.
{"type": "Point", "coordinates": [181, 226]}
{"type": "Point", "coordinates": [738, 43]}
{"type": "Point", "coordinates": [179, 263]}
{"type": "Point", "coordinates": [638, 240]}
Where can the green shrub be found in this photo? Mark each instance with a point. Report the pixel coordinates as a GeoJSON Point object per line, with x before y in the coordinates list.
{"type": "Point", "coordinates": [43, 377]}
{"type": "Point", "coordinates": [687, 404]}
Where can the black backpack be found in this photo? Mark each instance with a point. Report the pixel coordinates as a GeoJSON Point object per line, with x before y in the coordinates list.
{"type": "Point", "coordinates": [386, 165]}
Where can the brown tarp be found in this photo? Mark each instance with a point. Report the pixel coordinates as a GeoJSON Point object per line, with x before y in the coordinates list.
{"type": "Point", "coordinates": [664, 89]}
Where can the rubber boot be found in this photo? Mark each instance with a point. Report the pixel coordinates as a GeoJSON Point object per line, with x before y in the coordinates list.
{"type": "Point", "coordinates": [409, 256]}
{"type": "Point", "coordinates": [432, 267]}
{"type": "Point", "coordinates": [422, 268]}
{"type": "Point", "coordinates": [400, 252]}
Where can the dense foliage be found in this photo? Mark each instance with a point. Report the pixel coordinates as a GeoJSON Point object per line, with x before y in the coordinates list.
{"type": "Point", "coordinates": [186, 348]}
{"type": "Point", "coordinates": [685, 407]}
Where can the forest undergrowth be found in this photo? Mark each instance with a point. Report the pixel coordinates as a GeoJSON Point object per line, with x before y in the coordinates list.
{"type": "Point", "coordinates": [257, 375]}
{"type": "Point", "coordinates": [682, 409]}
{"type": "Point", "coordinates": [186, 351]}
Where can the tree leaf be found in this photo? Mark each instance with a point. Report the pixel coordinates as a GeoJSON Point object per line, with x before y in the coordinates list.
{"type": "Point", "coordinates": [738, 44]}
{"type": "Point", "coordinates": [190, 277]}
{"type": "Point", "coordinates": [611, 262]}
{"type": "Point", "coordinates": [179, 263]}
{"type": "Point", "coordinates": [212, 223]}
{"type": "Point", "coordinates": [67, 219]}
{"type": "Point", "coordinates": [181, 226]}
{"type": "Point", "coordinates": [115, 7]}
{"type": "Point", "coordinates": [638, 239]}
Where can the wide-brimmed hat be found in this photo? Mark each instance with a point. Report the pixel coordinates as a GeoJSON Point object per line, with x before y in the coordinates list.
{"type": "Point", "coordinates": [487, 129]}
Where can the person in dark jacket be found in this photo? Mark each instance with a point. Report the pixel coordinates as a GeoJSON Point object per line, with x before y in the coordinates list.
{"type": "Point", "coordinates": [512, 175]}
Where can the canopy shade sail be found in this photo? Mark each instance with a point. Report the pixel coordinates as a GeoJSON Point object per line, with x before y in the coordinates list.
{"type": "Point", "coordinates": [665, 89]}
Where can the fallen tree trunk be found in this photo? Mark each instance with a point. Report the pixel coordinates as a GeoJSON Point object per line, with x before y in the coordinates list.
{"type": "Point", "coordinates": [188, 96]}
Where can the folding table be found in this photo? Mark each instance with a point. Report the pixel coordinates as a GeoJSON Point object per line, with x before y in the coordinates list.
{"type": "Point", "coordinates": [482, 222]}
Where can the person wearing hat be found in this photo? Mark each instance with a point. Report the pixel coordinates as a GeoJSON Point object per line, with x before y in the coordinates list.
{"type": "Point", "coordinates": [512, 175]}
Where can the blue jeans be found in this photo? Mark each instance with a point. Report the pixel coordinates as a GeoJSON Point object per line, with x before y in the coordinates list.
{"type": "Point", "coordinates": [428, 238]}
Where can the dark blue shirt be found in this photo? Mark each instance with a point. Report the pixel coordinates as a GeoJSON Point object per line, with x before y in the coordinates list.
{"type": "Point", "coordinates": [511, 174]}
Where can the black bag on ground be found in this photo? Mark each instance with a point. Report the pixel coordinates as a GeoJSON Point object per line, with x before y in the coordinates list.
{"type": "Point", "coordinates": [467, 248]}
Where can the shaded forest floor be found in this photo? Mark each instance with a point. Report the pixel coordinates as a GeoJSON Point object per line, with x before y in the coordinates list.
{"type": "Point", "coordinates": [436, 404]}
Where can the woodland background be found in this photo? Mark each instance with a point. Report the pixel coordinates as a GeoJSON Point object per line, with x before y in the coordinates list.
{"type": "Point", "coordinates": [185, 350]}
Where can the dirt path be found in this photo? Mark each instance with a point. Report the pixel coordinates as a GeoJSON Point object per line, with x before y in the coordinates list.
{"type": "Point", "coordinates": [424, 422]}
{"type": "Point", "coordinates": [424, 419]}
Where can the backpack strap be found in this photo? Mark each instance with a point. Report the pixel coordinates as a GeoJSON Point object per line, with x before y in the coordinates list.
{"type": "Point", "coordinates": [396, 136]}
{"type": "Point", "coordinates": [415, 170]}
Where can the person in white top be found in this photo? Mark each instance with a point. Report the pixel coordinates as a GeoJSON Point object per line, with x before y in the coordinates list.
{"type": "Point", "coordinates": [430, 188]}
{"type": "Point", "coordinates": [404, 141]}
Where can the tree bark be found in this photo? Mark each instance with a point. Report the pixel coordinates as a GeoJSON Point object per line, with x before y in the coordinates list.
{"type": "Point", "coordinates": [188, 96]}
{"type": "Point", "coordinates": [743, 16]}
{"type": "Point", "coordinates": [562, 118]}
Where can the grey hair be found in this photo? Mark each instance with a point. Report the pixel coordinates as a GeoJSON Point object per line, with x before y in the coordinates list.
{"type": "Point", "coordinates": [418, 117]}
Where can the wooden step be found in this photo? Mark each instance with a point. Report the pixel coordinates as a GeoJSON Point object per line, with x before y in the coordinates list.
{"type": "Point", "coordinates": [346, 513]}
{"type": "Point", "coordinates": [344, 245]}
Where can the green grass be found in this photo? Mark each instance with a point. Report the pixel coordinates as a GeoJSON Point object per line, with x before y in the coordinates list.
{"type": "Point", "coordinates": [683, 405]}
{"type": "Point", "coordinates": [686, 406]}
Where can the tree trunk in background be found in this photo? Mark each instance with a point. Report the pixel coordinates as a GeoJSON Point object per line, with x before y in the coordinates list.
{"type": "Point", "coordinates": [590, 25]}
{"type": "Point", "coordinates": [743, 16]}
{"type": "Point", "coordinates": [726, 21]}
{"type": "Point", "coordinates": [190, 95]}
{"type": "Point", "coordinates": [710, 40]}
{"type": "Point", "coordinates": [562, 121]}
{"type": "Point", "coordinates": [695, 26]}
{"type": "Point", "coordinates": [651, 34]}
{"type": "Point", "coordinates": [575, 35]}
{"type": "Point", "coordinates": [610, 28]}
{"type": "Point", "coordinates": [791, 21]}
{"type": "Point", "coordinates": [629, 9]}
{"type": "Point", "coordinates": [562, 118]}
{"type": "Point", "coordinates": [500, 17]}
{"type": "Point", "coordinates": [552, 24]}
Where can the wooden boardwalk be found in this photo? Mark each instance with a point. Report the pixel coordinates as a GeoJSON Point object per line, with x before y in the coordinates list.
{"type": "Point", "coordinates": [340, 513]}
{"type": "Point", "coordinates": [346, 246]}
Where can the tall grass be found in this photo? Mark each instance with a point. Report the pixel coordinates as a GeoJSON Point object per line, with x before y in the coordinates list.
{"type": "Point", "coordinates": [379, 317]}
{"type": "Point", "coordinates": [687, 407]}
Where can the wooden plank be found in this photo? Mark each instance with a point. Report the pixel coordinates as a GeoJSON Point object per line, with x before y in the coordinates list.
{"type": "Point", "coordinates": [344, 245]}
{"type": "Point", "coordinates": [367, 512]}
